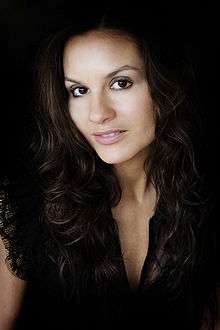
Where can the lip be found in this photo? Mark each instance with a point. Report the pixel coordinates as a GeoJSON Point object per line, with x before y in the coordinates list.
{"type": "Point", "coordinates": [108, 131]}
{"type": "Point", "coordinates": [109, 139]}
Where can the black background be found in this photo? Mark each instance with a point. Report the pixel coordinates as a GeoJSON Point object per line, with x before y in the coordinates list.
{"type": "Point", "coordinates": [24, 24]}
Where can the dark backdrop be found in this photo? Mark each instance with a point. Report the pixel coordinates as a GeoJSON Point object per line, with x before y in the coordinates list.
{"type": "Point", "coordinates": [25, 23]}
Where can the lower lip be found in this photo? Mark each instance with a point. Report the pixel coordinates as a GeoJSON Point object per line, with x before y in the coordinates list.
{"type": "Point", "coordinates": [109, 139]}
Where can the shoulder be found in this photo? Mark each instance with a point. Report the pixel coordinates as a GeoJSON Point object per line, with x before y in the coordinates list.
{"type": "Point", "coordinates": [11, 291]}
{"type": "Point", "coordinates": [21, 230]}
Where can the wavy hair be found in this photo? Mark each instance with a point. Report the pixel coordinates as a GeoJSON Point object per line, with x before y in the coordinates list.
{"type": "Point", "coordinates": [79, 189]}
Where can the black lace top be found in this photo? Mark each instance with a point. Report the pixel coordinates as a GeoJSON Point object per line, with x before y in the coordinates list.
{"type": "Point", "coordinates": [45, 307]}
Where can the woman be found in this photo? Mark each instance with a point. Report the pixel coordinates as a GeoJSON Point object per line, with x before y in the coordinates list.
{"type": "Point", "coordinates": [122, 232]}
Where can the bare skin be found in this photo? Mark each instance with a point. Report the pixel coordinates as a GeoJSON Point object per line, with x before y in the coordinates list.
{"type": "Point", "coordinates": [133, 220]}
{"type": "Point", "coordinates": [107, 87]}
{"type": "Point", "coordinates": [11, 293]}
{"type": "Point", "coordinates": [102, 103]}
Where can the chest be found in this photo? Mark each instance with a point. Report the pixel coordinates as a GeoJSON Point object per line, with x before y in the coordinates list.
{"type": "Point", "coordinates": [133, 229]}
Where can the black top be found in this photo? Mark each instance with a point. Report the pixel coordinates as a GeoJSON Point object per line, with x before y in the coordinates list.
{"type": "Point", "coordinates": [45, 307]}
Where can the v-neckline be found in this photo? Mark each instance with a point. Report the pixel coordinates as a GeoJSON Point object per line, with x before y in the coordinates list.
{"type": "Point", "coordinates": [147, 260]}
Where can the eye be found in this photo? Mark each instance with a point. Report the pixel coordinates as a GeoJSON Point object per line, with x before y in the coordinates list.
{"type": "Point", "coordinates": [121, 83]}
{"type": "Point", "coordinates": [78, 91]}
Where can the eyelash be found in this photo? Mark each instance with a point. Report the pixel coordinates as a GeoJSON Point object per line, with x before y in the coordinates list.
{"type": "Point", "coordinates": [73, 89]}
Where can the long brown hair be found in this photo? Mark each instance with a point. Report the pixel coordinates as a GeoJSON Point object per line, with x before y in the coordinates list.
{"type": "Point", "coordinates": [79, 189]}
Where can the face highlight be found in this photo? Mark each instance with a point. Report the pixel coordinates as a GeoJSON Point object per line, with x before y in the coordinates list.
{"type": "Point", "coordinates": [105, 79]}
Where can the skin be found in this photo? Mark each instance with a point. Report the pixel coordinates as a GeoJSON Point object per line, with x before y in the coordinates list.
{"type": "Point", "coordinates": [96, 62]}
{"type": "Point", "coordinates": [12, 291]}
{"type": "Point", "coordinates": [91, 61]}
{"type": "Point", "coordinates": [88, 59]}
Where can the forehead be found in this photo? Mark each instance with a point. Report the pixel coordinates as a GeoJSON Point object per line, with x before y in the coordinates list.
{"type": "Point", "coordinates": [97, 49]}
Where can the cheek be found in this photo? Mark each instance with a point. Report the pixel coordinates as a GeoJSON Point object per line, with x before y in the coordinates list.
{"type": "Point", "coordinates": [143, 116]}
{"type": "Point", "coordinates": [76, 116]}
{"type": "Point", "coordinates": [139, 108]}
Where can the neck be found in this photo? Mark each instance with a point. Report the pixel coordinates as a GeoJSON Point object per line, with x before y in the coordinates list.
{"type": "Point", "coordinates": [133, 180]}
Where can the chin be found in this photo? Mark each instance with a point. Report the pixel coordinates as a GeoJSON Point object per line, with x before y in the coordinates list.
{"type": "Point", "coordinates": [114, 159]}
{"type": "Point", "coordinates": [109, 160]}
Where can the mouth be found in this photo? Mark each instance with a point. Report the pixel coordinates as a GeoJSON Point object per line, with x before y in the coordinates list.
{"type": "Point", "coordinates": [110, 138]}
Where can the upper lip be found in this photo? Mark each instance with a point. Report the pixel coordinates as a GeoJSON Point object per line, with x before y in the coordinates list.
{"type": "Point", "coordinates": [109, 131]}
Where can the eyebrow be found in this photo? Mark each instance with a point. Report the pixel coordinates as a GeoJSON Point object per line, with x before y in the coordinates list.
{"type": "Point", "coordinates": [111, 74]}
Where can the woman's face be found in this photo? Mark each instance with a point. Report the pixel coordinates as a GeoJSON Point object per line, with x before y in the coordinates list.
{"type": "Point", "coordinates": [105, 78]}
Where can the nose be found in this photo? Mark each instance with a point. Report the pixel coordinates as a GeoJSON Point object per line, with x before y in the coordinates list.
{"type": "Point", "coordinates": [101, 109]}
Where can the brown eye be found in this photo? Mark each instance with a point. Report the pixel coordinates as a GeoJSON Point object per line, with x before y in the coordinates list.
{"type": "Point", "coordinates": [122, 84]}
{"type": "Point", "coordinates": [79, 91]}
